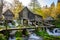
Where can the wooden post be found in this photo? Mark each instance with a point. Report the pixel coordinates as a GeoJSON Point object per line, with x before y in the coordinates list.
{"type": "Point", "coordinates": [6, 29]}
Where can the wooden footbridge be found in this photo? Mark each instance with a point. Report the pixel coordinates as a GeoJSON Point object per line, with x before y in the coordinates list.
{"type": "Point", "coordinates": [23, 28]}
{"type": "Point", "coordinates": [13, 29]}
{"type": "Point", "coordinates": [10, 29]}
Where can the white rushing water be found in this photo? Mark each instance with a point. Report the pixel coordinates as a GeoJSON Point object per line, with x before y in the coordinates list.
{"type": "Point", "coordinates": [54, 32]}
{"type": "Point", "coordinates": [12, 38]}
{"type": "Point", "coordinates": [34, 37]}
{"type": "Point", "coordinates": [31, 37]}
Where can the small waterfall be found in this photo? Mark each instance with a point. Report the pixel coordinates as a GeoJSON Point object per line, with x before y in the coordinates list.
{"type": "Point", "coordinates": [16, 24]}
{"type": "Point", "coordinates": [13, 26]}
{"type": "Point", "coordinates": [54, 33]}
{"type": "Point", "coordinates": [48, 31]}
{"type": "Point", "coordinates": [33, 36]}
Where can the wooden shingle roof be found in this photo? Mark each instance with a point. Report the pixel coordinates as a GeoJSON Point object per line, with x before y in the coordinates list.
{"type": "Point", "coordinates": [8, 12]}
{"type": "Point", "coordinates": [26, 13]}
{"type": "Point", "coordinates": [29, 11]}
{"type": "Point", "coordinates": [49, 18]}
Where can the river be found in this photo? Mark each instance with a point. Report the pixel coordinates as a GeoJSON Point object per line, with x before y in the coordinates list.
{"type": "Point", "coordinates": [32, 36]}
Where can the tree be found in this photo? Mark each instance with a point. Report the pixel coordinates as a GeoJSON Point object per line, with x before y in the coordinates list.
{"type": "Point", "coordinates": [1, 7]}
{"type": "Point", "coordinates": [34, 5]}
{"type": "Point", "coordinates": [18, 7]}
{"type": "Point", "coordinates": [46, 12]}
{"type": "Point", "coordinates": [56, 11]}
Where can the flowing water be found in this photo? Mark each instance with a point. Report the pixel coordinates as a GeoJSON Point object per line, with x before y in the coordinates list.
{"type": "Point", "coordinates": [32, 36]}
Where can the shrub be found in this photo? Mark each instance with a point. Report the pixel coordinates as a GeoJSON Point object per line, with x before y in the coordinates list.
{"type": "Point", "coordinates": [2, 37]}
{"type": "Point", "coordinates": [19, 38]}
{"type": "Point", "coordinates": [18, 34]}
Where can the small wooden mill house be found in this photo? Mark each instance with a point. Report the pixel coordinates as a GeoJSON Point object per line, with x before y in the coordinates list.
{"type": "Point", "coordinates": [49, 20]}
{"type": "Point", "coordinates": [38, 19]}
{"type": "Point", "coordinates": [8, 15]}
{"type": "Point", "coordinates": [28, 15]}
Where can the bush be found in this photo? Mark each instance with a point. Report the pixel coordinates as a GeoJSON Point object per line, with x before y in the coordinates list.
{"type": "Point", "coordinates": [2, 37]}
{"type": "Point", "coordinates": [19, 38]}
{"type": "Point", "coordinates": [25, 32]}
{"type": "Point", "coordinates": [18, 34]}
{"type": "Point", "coordinates": [57, 23]}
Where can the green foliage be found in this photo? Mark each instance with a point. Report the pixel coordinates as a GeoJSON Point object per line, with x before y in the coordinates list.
{"type": "Point", "coordinates": [18, 34]}
{"type": "Point", "coordinates": [19, 38]}
{"type": "Point", "coordinates": [39, 12]}
{"type": "Point", "coordinates": [2, 37]}
{"type": "Point", "coordinates": [7, 34]}
{"type": "Point", "coordinates": [57, 23]}
{"type": "Point", "coordinates": [37, 31]}
{"type": "Point", "coordinates": [13, 23]}
{"type": "Point", "coordinates": [25, 32]}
